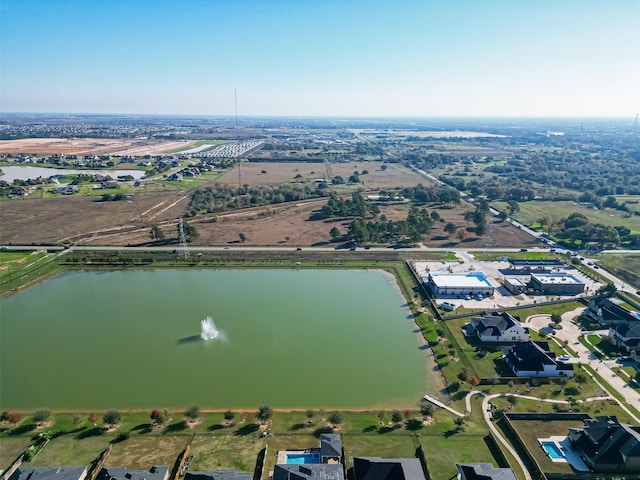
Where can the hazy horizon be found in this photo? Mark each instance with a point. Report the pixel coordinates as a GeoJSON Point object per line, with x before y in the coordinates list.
{"type": "Point", "coordinates": [350, 59]}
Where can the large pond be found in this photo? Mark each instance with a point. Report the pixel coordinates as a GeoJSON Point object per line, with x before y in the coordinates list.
{"type": "Point", "coordinates": [288, 338]}
{"type": "Point", "coordinates": [11, 173]}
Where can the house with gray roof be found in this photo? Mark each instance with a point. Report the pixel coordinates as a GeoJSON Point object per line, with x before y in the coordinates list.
{"type": "Point", "coordinates": [626, 335]}
{"type": "Point", "coordinates": [607, 446]}
{"type": "Point", "coordinates": [534, 359]}
{"type": "Point", "coordinates": [330, 448]}
{"type": "Point", "coordinates": [218, 475]}
{"type": "Point", "coordinates": [376, 468]}
{"type": "Point", "coordinates": [121, 473]}
{"type": "Point", "coordinates": [48, 473]}
{"type": "Point", "coordinates": [483, 471]}
{"type": "Point", "coordinates": [309, 471]}
{"type": "Point", "coordinates": [497, 327]}
{"type": "Point", "coordinates": [609, 311]}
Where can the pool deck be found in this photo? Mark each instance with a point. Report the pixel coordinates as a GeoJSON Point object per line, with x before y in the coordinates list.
{"type": "Point", "coordinates": [282, 454]}
{"type": "Point", "coordinates": [570, 457]}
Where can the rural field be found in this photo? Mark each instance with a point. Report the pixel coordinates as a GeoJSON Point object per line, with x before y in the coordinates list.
{"type": "Point", "coordinates": [89, 146]}
{"type": "Point", "coordinates": [83, 219]}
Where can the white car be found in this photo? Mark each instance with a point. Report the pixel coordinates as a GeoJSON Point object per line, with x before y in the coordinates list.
{"type": "Point", "coordinates": [564, 358]}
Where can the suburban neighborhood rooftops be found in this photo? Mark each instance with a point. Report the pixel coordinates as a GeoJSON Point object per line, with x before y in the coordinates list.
{"type": "Point", "coordinates": [376, 468]}
{"type": "Point", "coordinates": [483, 471]}
{"type": "Point", "coordinates": [121, 473]}
{"type": "Point", "coordinates": [48, 473]}
{"type": "Point", "coordinates": [310, 471]}
{"type": "Point", "coordinates": [218, 475]}
{"type": "Point", "coordinates": [330, 445]}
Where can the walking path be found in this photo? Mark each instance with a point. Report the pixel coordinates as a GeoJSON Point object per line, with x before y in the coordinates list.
{"type": "Point", "coordinates": [442, 405]}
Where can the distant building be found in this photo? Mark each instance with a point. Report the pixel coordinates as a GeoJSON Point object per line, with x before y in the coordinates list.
{"type": "Point", "coordinates": [473, 283]}
{"type": "Point", "coordinates": [376, 468]}
{"type": "Point", "coordinates": [608, 446]}
{"type": "Point", "coordinates": [498, 327]}
{"type": "Point", "coordinates": [534, 359]}
{"type": "Point", "coordinates": [557, 283]}
{"type": "Point", "coordinates": [483, 471]}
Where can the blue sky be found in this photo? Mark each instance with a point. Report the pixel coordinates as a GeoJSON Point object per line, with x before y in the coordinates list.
{"type": "Point", "coordinates": [322, 57]}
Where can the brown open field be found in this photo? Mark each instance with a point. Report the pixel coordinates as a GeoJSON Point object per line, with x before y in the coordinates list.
{"type": "Point", "coordinates": [421, 134]}
{"type": "Point", "coordinates": [72, 219]}
{"type": "Point", "coordinates": [276, 173]}
{"type": "Point", "coordinates": [88, 146]}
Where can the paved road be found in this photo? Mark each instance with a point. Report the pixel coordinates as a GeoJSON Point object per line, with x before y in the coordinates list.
{"type": "Point", "coordinates": [570, 332]}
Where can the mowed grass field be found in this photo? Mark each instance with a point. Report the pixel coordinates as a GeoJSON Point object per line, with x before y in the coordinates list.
{"type": "Point", "coordinates": [531, 212]}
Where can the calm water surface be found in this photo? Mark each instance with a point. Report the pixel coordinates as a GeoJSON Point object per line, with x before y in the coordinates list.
{"type": "Point", "coordinates": [130, 339]}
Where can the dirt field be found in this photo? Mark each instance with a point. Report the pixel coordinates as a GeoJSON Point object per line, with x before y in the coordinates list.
{"type": "Point", "coordinates": [88, 146]}
{"type": "Point", "coordinates": [436, 134]}
{"type": "Point", "coordinates": [80, 219]}
{"type": "Point", "coordinates": [277, 173]}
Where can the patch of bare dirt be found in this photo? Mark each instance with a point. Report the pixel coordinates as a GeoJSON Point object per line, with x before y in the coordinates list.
{"type": "Point", "coordinates": [88, 146]}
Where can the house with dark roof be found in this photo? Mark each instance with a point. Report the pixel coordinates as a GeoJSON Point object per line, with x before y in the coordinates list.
{"type": "Point", "coordinates": [376, 468]}
{"type": "Point", "coordinates": [308, 471]}
{"type": "Point", "coordinates": [330, 448]}
{"type": "Point", "coordinates": [483, 471]}
{"type": "Point", "coordinates": [608, 311]}
{"type": "Point", "coordinates": [626, 335]}
{"type": "Point", "coordinates": [121, 473]}
{"type": "Point", "coordinates": [218, 475]}
{"type": "Point", "coordinates": [48, 473]}
{"type": "Point", "coordinates": [534, 359]}
{"type": "Point", "coordinates": [607, 446]}
{"type": "Point", "coordinates": [497, 327]}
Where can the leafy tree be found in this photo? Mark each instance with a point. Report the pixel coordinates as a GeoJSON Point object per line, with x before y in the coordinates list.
{"type": "Point", "coordinates": [41, 416]}
{"type": "Point", "coordinates": [4, 417]}
{"type": "Point", "coordinates": [92, 418]}
{"type": "Point", "coordinates": [450, 228]}
{"type": "Point", "coordinates": [334, 232]}
{"type": "Point", "coordinates": [14, 417]}
{"type": "Point", "coordinates": [242, 236]}
{"type": "Point", "coordinates": [608, 290]}
{"type": "Point", "coordinates": [461, 233]}
{"type": "Point", "coordinates": [381, 415]}
{"type": "Point", "coordinates": [154, 414]}
{"type": "Point", "coordinates": [190, 232]}
{"type": "Point", "coordinates": [396, 416]}
{"type": "Point", "coordinates": [309, 414]}
{"type": "Point", "coordinates": [383, 167]}
{"type": "Point", "coordinates": [463, 374]}
{"type": "Point", "coordinates": [112, 417]}
{"type": "Point", "coordinates": [229, 415]}
{"type": "Point", "coordinates": [192, 413]}
{"type": "Point", "coordinates": [556, 318]}
{"type": "Point", "coordinates": [580, 378]}
{"type": "Point", "coordinates": [513, 207]}
{"type": "Point", "coordinates": [264, 414]}
{"type": "Point", "coordinates": [459, 423]}
{"type": "Point", "coordinates": [335, 418]}
{"type": "Point", "coordinates": [426, 409]}
{"type": "Point", "coordinates": [77, 419]}
{"type": "Point", "coordinates": [156, 233]}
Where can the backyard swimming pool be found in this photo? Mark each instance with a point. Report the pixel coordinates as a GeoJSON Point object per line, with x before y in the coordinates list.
{"type": "Point", "coordinates": [552, 450]}
{"type": "Point", "coordinates": [300, 458]}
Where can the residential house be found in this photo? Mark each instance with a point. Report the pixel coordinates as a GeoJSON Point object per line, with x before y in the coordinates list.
{"type": "Point", "coordinates": [330, 448]}
{"type": "Point", "coordinates": [497, 327]}
{"type": "Point", "coordinates": [218, 475]}
{"type": "Point", "coordinates": [607, 446]}
{"type": "Point", "coordinates": [534, 359]}
{"type": "Point", "coordinates": [109, 185]}
{"type": "Point", "coordinates": [121, 473]}
{"type": "Point", "coordinates": [626, 335]}
{"type": "Point", "coordinates": [308, 471]}
{"type": "Point", "coordinates": [174, 177]}
{"type": "Point", "coordinates": [67, 189]}
{"type": "Point", "coordinates": [608, 311]}
{"type": "Point", "coordinates": [376, 468]}
{"type": "Point", "coordinates": [483, 471]}
{"type": "Point", "coordinates": [48, 473]}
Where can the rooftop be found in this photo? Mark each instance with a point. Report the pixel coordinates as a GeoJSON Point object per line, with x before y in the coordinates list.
{"type": "Point", "coordinates": [560, 278]}
{"type": "Point", "coordinates": [472, 279]}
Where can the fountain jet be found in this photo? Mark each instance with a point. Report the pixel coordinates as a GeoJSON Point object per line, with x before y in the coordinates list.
{"type": "Point", "coordinates": [208, 329]}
